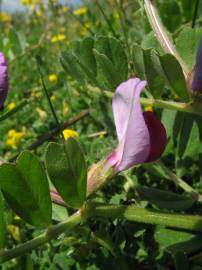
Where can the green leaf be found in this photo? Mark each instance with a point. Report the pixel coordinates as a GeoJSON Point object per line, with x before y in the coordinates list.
{"type": "Point", "coordinates": [112, 49]}
{"type": "Point", "coordinates": [166, 237]}
{"type": "Point", "coordinates": [59, 212]}
{"type": "Point", "coordinates": [165, 199]}
{"type": "Point", "coordinates": [25, 188]}
{"type": "Point", "coordinates": [187, 246]}
{"type": "Point", "coordinates": [86, 54]}
{"type": "Point", "coordinates": [107, 76]}
{"type": "Point", "coordinates": [174, 75]}
{"type": "Point", "coordinates": [2, 223]}
{"type": "Point", "coordinates": [138, 61]}
{"type": "Point", "coordinates": [153, 72]}
{"type": "Point", "coordinates": [67, 170]}
{"type": "Point", "coordinates": [86, 59]}
{"type": "Point", "coordinates": [188, 147]}
{"type": "Point", "coordinates": [187, 44]}
{"type": "Point", "coordinates": [150, 41]}
{"type": "Point", "coordinates": [97, 60]}
{"type": "Point", "coordinates": [178, 244]}
{"type": "Point", "coordinates": [70, 64]}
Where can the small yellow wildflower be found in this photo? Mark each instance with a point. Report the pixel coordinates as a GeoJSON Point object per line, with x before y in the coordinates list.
{"type": "Point", "coordinates": [149, 109]}
{"type": "Point", "coordinates": [36, 92]}
{"type": "Point", "coordinates": [39, 13]}
{"type": "Point", "coordinates": [42, 114]}
{"type": "Point", "coordinates": [17, 217]}
{"type": "Point", "coordinates": [84, 31]}
{"type": "Point", "coordinates": [4, 17]}
{"type": "Point", "coordinates": [65, 9]}
{"type": "Point", "coordinates": [52, 77]}
{"type": "Point", "coordinates": [53, 98]}
{"type": "Point", "coordinates": [80, 11]}
{"type": "Point", "coordinates": [14, 231]}
{"type": "Point", "coordinates": [14, 137]}
{"type": "Point", "coordinates": [176, 97]}
{"type": "Point", "coordinates": [11, 106]}
{"type": "Point", "coordinates": [56, 38]}
{"type": "Point", "coordinates": [30, 2]}
{"type": "Point", "coordinates": [70, 133]}
{"type": "Point", "coordinates": [65, 108]}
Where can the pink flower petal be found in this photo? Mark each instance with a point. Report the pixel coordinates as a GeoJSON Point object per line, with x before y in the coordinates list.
{"type": "Point", "coordinates": [132, 131]}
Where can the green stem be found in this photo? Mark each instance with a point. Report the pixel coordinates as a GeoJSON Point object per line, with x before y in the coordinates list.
{"type": "Point", "coordinates": [131, 213]}
{"type": "Point", "coordinates": [171, 105]}
{"type": "Point", "coordinates": [195, 107]}
{"type": "Point", "coordinates": [48, 99]}
{"type": "Point", "coordinates": [51, 233]}
{"type": "Point", "coordinates": [134, 213]}
{"type": "Point", "coordinates": [162, 34]}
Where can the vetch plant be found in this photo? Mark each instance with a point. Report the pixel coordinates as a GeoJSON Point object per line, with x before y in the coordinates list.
{"type": "Point", "coordinates": [108, 228]}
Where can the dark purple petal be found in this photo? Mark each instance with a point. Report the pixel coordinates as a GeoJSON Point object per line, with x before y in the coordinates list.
{"type": "Point", "coordinates": [132, 131]}
{"type": "Point", "coordinates": [197, 75]}
{"type": "Point", "coordinates": [3, 79]}
{"type": "Point", "coordinates": [158, 138]}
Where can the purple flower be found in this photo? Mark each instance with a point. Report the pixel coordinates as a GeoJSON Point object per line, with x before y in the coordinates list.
{"type": "Point", "coordinates": [141, 136]}
{"type": "Point", "coordinates": [3, 79]}
{"type": "Point", "coordinates": [197, 73]}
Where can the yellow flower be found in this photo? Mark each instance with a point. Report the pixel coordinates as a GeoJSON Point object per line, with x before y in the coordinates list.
{"type": "Point", "coordinates": [14, 137]}
{"type": "Point", "coordinates": [14, 231]}
{"type": "Point", "coordinates": [149, 109]}
{"type": "Point", "coordinates": [56, 38]}
{"type": "Point", "coordinates": [42, 114]}
{"type": "Point", "coordinates": [65, 108]}
{"type": "Point", "coordinates": [53, 98]}
{"type": "Point", "coordinates": [65, 9]}
{"type": "Point", "coordinates": [4, 17]}
{"type": "Point", "coordinates": [39, 13]}
{"type": "Point", "coordinates": [30, 2]}
{"type": "Point", "coordinates": [11, 106]}
{"type": "Point", "coordinates": [70, 133]}
{"type": "Point", "coordinates": [17, 217]}
{"type": "Point", "coordinates": [84, 31]}
{"type": "Point", "coordinates": [80, 11]}
{"type": "Point", "coordinates": [52, 77]}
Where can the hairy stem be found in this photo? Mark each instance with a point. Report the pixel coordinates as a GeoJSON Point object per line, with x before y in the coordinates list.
{"type": "Point", "coordinates": [137, 214]}
{"type": "Point", "coordinates": [194, 107]}
{"type": "Point", "coordinates": [131, 213]}
{"type": "Point", "coordinates": [51, 233]}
